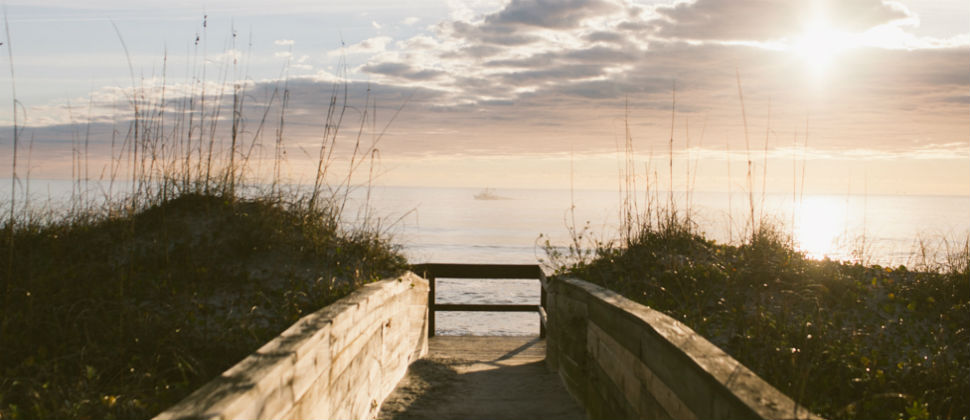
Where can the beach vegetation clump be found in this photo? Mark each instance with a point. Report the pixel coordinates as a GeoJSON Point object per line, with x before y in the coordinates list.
{"type": "Point", "coordinates": [121, 317]}
{"type": "Point", "coordinates": [845, 339]}
{"type": "Point", "coordinates": [190, 250]}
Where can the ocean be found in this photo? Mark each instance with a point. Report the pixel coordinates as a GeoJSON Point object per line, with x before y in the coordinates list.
{"type": "Point", "coordinates": [449, 225]}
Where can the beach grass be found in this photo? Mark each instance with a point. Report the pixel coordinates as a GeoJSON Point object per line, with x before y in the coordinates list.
{"type": "Point", "coordinates": [121, 317]}
{"type": "Point", "coordinates": [846, 339]}
{"type": "Point", "coordinates": [179, 259]}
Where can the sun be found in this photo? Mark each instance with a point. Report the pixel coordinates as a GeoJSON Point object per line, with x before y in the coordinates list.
{"type": "Point", "coordinates": [819, 45]}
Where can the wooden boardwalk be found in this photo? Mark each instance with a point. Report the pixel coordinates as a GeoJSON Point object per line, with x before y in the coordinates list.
{"type": "Point", "coordinates": [468, 377]}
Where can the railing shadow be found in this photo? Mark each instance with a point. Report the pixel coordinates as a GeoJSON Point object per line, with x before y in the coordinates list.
{"type": "Point", "coordinates": [462, 389]}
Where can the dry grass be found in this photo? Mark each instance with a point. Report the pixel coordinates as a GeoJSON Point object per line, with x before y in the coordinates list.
{"type": "Point", "coordinates": [123, 303]}
{"type": "Point", "coordinates": [845, 339]}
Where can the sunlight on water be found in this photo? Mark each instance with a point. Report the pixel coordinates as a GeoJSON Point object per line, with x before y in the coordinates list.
{"type": "Point", "coordinates": [820, 224]}
{"type": "Point", "coordinates": [450, 225]}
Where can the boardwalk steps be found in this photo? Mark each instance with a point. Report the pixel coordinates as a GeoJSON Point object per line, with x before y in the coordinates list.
{"type": "Point", "coordinates": [616, 358]}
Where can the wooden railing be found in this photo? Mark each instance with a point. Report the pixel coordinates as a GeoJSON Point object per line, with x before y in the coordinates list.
{"type": "Point", "coordinates": [483, 272]}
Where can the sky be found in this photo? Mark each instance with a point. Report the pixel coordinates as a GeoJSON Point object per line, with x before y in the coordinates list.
{"type": "Point", "coordinates": [852, 96]}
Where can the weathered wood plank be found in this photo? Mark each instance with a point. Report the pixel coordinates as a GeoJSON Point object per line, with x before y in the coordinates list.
{"type": "Point", "coordinates": [479, 271]}
{"type": "Point", "coordinates": [484, 307]}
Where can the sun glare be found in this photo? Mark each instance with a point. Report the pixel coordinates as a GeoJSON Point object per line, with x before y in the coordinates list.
{"type": "Point", "coordinates": [818, 47]}
{"type": "Point", "coordinates": [820, 225]}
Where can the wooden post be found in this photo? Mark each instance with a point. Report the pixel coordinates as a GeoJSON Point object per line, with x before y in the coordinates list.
{"type": "Point", "coordinates": [431, 271]}
{"type": "Point", "coordinates": [431, 306]}
{"type": "Point", "coordinates": [542, 304]}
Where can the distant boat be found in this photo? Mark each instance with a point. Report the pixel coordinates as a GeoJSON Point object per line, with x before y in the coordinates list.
{"type": "Point", "coordinates": [487, 194]}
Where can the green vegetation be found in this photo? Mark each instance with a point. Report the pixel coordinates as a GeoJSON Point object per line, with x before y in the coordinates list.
{"type": "Point", "coordinates": [121, 317]}
{"type": "Point", "coordinates": [844, 339]}
{"type": "Point", "coordinates": [188, 258]}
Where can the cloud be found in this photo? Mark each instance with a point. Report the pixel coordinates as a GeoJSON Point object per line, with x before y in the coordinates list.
{"type": "Point", "coordinates": [410, 21]}
{"type": "Point", "coordinates": [402, 71]}
{"type": "Point", "coordinates": [533, 76]}
{"type": "Point", "coordinates": [418, 43]}
{"type": "Point", "coordinates": [478, 52]}
{"type": "Point", "coordinates": [602, 55]}
{"type": "Point", "coordinates": [488, 34]}
{"type": "Point", "coordinates": [957, 99]}
{"type": "Point", "coordinates": [538, 60]}
{"type": "Point", "coordinates": [764, 20]}
{"type": "Point", "coordinates": [368, 46]}
{"type": "Point", "coordinates": [606, 37]}
{"type": "Point", "coordinates": [896, 37]}
{"type": "Point", "coordinates": [553, 74]}
{"type": "Point", "coordinates": [284, 42]}
{"type": "Point", "coordinates": [524, 22]}
{"type": "Point", "coordinates": [555, 14]}
{"type": "Point", "coordinates": [573, 74]}
{"type": "Point", "coordinates": [544, 48]}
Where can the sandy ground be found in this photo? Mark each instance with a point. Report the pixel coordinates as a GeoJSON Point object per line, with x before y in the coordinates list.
{"type": "Point", "coordinates": [481, 378]}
